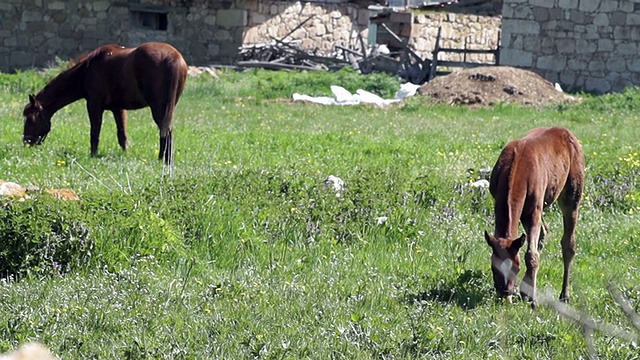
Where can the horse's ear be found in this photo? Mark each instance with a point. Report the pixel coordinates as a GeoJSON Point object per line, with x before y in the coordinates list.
{"type": "Point", "coordinates": [490, 239]}
{"type": "Point", "coordinates": [517, 243]}
{"type": "Point", "coordinates": [32, 99]}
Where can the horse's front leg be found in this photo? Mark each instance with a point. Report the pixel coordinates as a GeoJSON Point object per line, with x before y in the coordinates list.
{"type": "Point", "coordinates": [95, 117]}
{"type": "Point", "coordinates": [531, 258]}
{"type": "Point", "coordinates": [120, 116]}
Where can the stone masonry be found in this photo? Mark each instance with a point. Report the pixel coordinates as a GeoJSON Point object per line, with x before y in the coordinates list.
{"type": "Point", "coordinates": [591, 45]}
{"type": "Point", "coordinates": [33, 33]}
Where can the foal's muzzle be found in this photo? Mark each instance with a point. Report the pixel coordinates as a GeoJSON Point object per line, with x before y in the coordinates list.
{"type": "Point", "coordinates": [33, 140]}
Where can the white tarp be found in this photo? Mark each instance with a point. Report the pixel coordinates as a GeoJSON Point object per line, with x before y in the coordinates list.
{"type": "Point", "coordinates": [343, 97]}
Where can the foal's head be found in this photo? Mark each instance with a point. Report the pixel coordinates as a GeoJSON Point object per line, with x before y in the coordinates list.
{"type": "Point", "coordinates": [37, 123]}
{"type": "Point", "coordinates": [505, 262]}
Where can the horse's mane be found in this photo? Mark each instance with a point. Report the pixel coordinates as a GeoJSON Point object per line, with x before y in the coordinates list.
{"type": "Point", "coordinates": [75, 68]}
{"type": "Point", "coordinates": [85, 59]}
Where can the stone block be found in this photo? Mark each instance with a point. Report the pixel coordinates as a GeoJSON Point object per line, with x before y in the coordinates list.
{"type": "Point", "coordinates": [232, 17]}
{"type": "Point", "coordinates": [626, 6]}
{"type": "Point", "coordinates": [517, 58]}
{"type": "Point", "coordinates": [601, 20]}
{"type": "Point", "coordinates": [626, 48]}
{"type": "Point", "coordinates": [633, 65]}
{"type": "Point", "coordinates": [101, 5]}
{"type": "Point", "coordinates": [55, 5]}
{"type": "Point", "coordinates": [597, 85]}
{"type": "Point", "coordinates": [621, 33]}
{"type": "Point", "coordinates": [586, 46]}
{"type": "Point", "coordinates": [520, 26]}
{"type": "Point", "coordinates": [542, 3]}
{"type": "Point", "coordinates": [554, 62]}
{"type": "Point", "coordinates": [532, 45]}
{"type": "Point", "coordinates": [568, 4]}
{"type": "Point", "coordinates": [596, 65]}
{"type": "Point", "coordinates": [620, 83]}
{"type": "Point", "coordinates": [618, 18]}
{"type": "Point", "coordinates": [32, 15]}
{"type": "Point", "coordinates": [605, 45]}
{"type": "Point", "coordinates": [566, 46]}
{"type": "Point", "coordinates": [525, 12]}
{"type": "Point", "coordinates": [257, 19]}
{"type": "Point", "coordinates": [222, 35]}
{"type": "Point", "coordinates": [589, 6]}
{"type": "Point", "coordinates": [213, 49]}
{"type": "Point", "coordinates": [616, 64]}
{"type": "Point", "coordinates": [210, 20]}
{"type": "Point", "coordinates": [577, 64]}
{"type": "Point", "coordinates": [540, 14]}
{"type": "Point", "coordinates": [567, 79]}
{"type": "Point", "coordinates": [633, 19]}
{"type": "Point", "coordinates": [608, 6]}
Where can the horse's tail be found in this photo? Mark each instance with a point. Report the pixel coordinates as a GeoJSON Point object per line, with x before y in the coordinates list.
{"type": "Point", "coordinates": [176, 80]}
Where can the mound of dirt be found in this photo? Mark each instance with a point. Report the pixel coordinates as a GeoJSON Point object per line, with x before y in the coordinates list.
{"type": "Point", "coordinates": [490, 85]}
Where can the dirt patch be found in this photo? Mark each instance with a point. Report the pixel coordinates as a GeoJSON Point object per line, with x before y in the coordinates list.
{"type": "Point", "coordinates": [491, 85]}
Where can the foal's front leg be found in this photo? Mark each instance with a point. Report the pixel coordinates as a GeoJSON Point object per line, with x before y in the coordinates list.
{"type": "Point", "coordinates": [95, 118]}
{"type": "Point", "coordinates": [532, 258]}
{"type": "Point", "coordinates": [120, 116]}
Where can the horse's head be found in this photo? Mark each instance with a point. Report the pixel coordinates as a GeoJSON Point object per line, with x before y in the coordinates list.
{"type": "Point", "coordinates": [505, 263]}
{"type": "Point", "coordinates": [36, 122]}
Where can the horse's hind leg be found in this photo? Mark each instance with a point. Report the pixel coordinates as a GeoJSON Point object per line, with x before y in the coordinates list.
{"type": "Point", "coordinates": [121, 125]}
{"type": "Point", "coordinates": [166, 148]}
{"type": "Point", "coordinates": [569, 207]}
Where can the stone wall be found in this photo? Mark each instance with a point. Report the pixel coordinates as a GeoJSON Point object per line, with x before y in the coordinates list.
{"type": "Point", "coordinates": [36, 32]}
{"type": "Point", "coordinates": [591, 45]}
{"type": "Point", "coordinates": [332, 23]}
{"type": "Point", "coordinates": [340, 24]}
{"type": "Point", "coordinates": [459, 31]}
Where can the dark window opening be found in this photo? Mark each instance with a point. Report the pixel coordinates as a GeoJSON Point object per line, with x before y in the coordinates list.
{"type": "Point", "coordinates": [150, 20]}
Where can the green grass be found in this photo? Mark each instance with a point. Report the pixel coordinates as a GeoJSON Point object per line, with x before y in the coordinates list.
{"type": "Point", "coordinates": [244, 253]}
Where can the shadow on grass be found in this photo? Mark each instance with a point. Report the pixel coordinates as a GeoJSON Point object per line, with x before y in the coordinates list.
{"type": "Point", "coordinates": [467, 291]}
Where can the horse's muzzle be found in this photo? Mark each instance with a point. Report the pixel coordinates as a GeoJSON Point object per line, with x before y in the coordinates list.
{"type": "Point", "coordinates": [32, 140]}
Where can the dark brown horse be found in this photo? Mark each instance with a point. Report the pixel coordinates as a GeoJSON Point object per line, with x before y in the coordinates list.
{"type": "Point", "coordinates": [117, 79]}
{"type": "Point", "coordinates": [530, 174]}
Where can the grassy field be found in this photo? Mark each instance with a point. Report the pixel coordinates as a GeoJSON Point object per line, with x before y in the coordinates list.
{"type": "Point", "coordinates": [244, 253]}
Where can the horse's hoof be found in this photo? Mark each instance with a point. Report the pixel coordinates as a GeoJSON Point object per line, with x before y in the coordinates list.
{"type": "Point", "coordinates": [534, 305]}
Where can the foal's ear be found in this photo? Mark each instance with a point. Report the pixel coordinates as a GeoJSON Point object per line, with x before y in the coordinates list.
{"type": "Point", "coordinates": [490, 239]}
{"type": "Point", "coordinates": [32, 99]}
{"type": "Point", "coordinates": [517, 243]}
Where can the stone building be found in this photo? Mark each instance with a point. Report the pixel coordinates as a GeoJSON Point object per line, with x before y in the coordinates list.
{"type": "Point", "coordinates": [591, 45]}
{"type": "Point", "coordinates": [36, 32]}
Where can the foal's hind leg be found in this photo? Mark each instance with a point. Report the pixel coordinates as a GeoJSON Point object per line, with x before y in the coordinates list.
{"type": "Point", "coordinates": [569, 209]}
{"type": "Point", "coordinates": [120, 116]}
